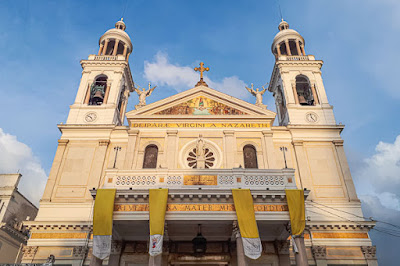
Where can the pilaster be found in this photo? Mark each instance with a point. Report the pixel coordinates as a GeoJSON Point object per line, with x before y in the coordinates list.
{"type": "Point", "coordinates": [319, 253]}
{"type": "Point", "coordinates": [302, 166]}
{"type": "Point", "coordinates": [269, 154]}
{"type": "Point", "coordinates": [48, 191]}
{"type": "Point", "coordinates": [130, 152]}
{"type": "Point", "coordinates": [171, 151]}
{"type": "Point", "coordinates": [98, 164]}
{"type": "Point", "coordinates": [230, 148]}
{"type": "Point", "coordinates": [116, 249]}
{"type": "Point", "coordinates": [370, 255]}
{"type": "Point", "coordinates": [348, 180]}
{"type": "Point", "coordinates": [282, 249]}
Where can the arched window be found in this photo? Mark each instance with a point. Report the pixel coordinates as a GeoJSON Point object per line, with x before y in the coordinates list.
{"type": "Point", "coordinates": [150, 156]}
{"type": "Point", "coordinates": [250, 156]}
{"type": "Point", "coordinates": [303, 89]}
{"type": "Point", "coordinates": [98, 91]}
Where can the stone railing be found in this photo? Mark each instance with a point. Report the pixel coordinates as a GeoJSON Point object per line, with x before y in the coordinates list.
{"type": "Point", "coordinates": [106, 57]}
{"type": "Point", "coordinates": [257, 179]}
{"type": "Point", "coordinates": [296, 57]}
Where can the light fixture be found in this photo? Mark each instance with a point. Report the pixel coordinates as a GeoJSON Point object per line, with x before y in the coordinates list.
{"type": "Point", "coordinates": [199, 243]}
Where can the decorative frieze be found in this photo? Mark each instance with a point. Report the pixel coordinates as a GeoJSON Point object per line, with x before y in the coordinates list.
{"type": "Point", "coordinates": [79, 252]}
{"type": "Point", "coordinates": [29, 252]}
{"type": "Point", "coordinates": [319, 252]}
{"type": "Point", "coordinates": [369, 252]}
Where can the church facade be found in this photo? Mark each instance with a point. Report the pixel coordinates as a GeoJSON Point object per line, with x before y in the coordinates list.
{"type": "Point", "coordinates": [201, 144]}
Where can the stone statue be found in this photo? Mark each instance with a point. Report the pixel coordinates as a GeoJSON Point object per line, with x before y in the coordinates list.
{"type": "Point", "coordinates": [258, 94]}
{"type": "Point", "coordinates": [143, 94]}
{"type": "Point", "coordinates": [200, 153]}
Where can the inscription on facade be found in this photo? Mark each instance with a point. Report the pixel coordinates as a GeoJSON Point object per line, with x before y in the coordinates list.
{"type": "Point", "coordinates": [204, 180]}
{"type": "Point", "coordinates": [200, 125]}
{"type": "Point", "coordinates": [182, 207]}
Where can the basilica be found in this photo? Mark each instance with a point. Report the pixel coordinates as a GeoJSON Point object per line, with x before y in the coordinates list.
{"type": "Point", "coordinates": [201, 177]}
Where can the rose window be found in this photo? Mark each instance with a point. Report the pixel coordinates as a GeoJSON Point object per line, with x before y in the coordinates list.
{"type": "Point", "coordinates": [208, 155]}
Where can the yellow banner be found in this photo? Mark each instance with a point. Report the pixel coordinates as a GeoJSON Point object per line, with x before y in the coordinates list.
{"type": "Point", "coordinates": [245, 213]}
{"type": "Point", "coordinates": [182, 207]}
{"type": "Point", "coordinates": [157, 207]}
{"type": "Point", "coordinates": [103, 212]}
{"type": "Point", "coordinates": [205, 180]}
{"type": "Point", "coordinates": [295, 200]}
{"type": "Point", "coordinates": [201, 125]}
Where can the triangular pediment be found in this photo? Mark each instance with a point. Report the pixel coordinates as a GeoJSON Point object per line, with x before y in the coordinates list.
{"type": "Point", "coordinates": [201, 101]}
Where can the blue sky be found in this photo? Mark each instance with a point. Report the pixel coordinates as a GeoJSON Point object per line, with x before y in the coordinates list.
{"type": "Point", "coordinates": [41, 43]}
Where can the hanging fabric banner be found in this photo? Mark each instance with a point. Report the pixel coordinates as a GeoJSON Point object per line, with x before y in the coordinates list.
{"type": "Point", "coordinates": [295, 200]}
{"type": "Point", "coordinates": [103, 222]}
{"type": "Point", "coordinates": [157, 207]}
{"type": "Point", "coordinates": [247, 222]}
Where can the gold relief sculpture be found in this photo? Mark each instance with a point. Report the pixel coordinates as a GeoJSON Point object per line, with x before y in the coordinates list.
{"type": "Point", "coordinates": [201, 106]}
{"type": "Point", "coordinates": [201, 125]}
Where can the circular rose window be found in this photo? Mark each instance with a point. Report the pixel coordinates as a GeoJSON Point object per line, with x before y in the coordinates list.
{"type": "Point", "coordinates": [192, 158]}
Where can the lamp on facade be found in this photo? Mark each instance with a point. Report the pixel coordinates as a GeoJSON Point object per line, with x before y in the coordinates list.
{"type": "Point", "coordinates": [199, 243]}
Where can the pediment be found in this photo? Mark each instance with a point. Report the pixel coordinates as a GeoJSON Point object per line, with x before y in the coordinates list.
{"type": "Point", "coordinates": [201, 101]}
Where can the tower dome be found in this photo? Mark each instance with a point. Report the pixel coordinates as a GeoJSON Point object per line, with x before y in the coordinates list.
{"type": "Point", "coordinates": [116, 41]}
{"type": "Point", "coordinates": [287, 41]}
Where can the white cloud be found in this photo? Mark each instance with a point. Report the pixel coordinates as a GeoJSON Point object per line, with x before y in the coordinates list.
{"type": "Point", "coordinates": [162, 72]}
{"type": "Point", "coordinates": [15, 156]}
{"type": "Point", "coordinates": [380, 175]}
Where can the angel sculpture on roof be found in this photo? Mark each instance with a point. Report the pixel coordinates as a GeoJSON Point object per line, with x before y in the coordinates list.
{"type": "Point", "coordinates": [143, 94]}
{"type": "Point", "coordinates": [257, 93]}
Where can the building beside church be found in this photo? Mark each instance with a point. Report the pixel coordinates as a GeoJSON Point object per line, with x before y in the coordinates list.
{"type": "Point", "coordinates": [15, 210]}
{"type": "Point", "coordinates": [201, 144]}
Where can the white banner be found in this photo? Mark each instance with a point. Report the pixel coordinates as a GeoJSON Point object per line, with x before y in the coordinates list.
{"type": "Point", "coordinates": [252, 247]}
{"type": "Point", "coordinates": [155, 247]}
{"type": "Point", "coordinates": [101, 246]}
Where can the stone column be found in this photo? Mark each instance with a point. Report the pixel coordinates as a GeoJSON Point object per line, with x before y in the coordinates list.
{"type": "Point", "coordinates": [230, 148]}
{"type": "Point", "coordinates": [127, 58]}
{"type": "Point", "coordinates": [319, 253]}
{"type": "Point", "coordinates": [278, 49]}
{"type": "Point", "coordinates": [298, 47]}
{"type": "Point", "coordinates": [282, 248]}
{"type": "Point", "coordinates": [130, 150]}
{"type": "Point", "coordinates": [116, 47]}
{"type": "Point", "coordinates": [96, 261]}
{"type": "Point", "coordinates": [170, 152]}
{"type": "Point", "coordinates": [241, 258]}
{"type": "Point", "coordinates": [115, 255]}
{"type": "Point", "coordinates": [370, 255]}
{"type": "Point", "coordinates": [100, 49]}
{"type": "Point", "coordinates": [302, 167]}
{"type": "Point", "coordinates": [155, 260]}
{"type": "Point", "coordinates": [98, 164]}
{"type": "Point", "coordinates": [288, 47]}
{"type": "Point", "coordinates": [314, 92]}
{"type": "Point", "coordinates": [105, 46]}
{"type": "Point", "coordinates": [302, 49]}
{"type": "Point", "coordinates": [87, 97]}
{"type": "Point", "coordinates": [125, 49]}
{"type": "Point", "coordinates": [296, 97]}
{"type": "Point", "coordinates": [107, 93]}
{"type": "Point", "coordinates": [301, 256]}
{"type": "Point", "coordinates": [269, 153]}
{"type": "Point", "coordinates": [48, 191]}
{"type": "Point", "coordinates": [344, 166]}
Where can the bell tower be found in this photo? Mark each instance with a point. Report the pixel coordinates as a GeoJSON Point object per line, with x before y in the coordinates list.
{"type": "Point", "coordinates": [106, 81]}
{"type": "Point", "coordinates": [296, 82]}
